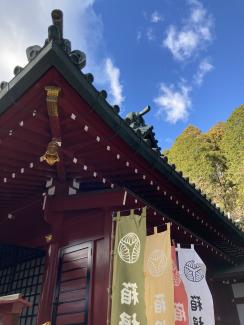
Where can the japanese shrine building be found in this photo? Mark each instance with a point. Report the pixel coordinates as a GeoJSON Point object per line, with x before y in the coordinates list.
{"type": "Point", "coordinates": [67, 162]}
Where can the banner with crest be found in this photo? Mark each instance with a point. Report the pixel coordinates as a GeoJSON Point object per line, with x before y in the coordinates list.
{"type": "Point", "coordinates": [180, 296]}
{"type": "Point", "coordinates": [128, 306]}
{"type": "Point", "coordinates": [193, 274]}
{"type": "Point", "coordinates": [159, 290]}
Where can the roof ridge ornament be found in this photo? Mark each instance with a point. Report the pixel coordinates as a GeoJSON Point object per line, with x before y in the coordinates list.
{"type": "Point", "coordinates": [32, 52]}
{"type": "Point", "coordinates": [3, 84]}
{"type": "Point", "coordinates": [136, 121]}
{"type": "Point", "coordinates": [55, 34]}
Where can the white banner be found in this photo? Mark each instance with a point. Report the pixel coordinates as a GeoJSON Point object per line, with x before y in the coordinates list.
{"type": "Point", "coordinates": [193, 274]}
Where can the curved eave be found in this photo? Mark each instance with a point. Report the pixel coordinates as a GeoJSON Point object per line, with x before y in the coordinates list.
{"type": "Point", "coordinates": [53, 56]}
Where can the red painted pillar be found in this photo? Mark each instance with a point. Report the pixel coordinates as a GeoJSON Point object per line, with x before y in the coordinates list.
{"type": "Point", "coordinates": [51, 265]}
{"type": "Point", "coordinates": [49, 283]}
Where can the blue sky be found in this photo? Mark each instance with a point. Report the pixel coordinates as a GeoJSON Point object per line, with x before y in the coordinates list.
{"type": "Point", "coordinates": [184, 58]}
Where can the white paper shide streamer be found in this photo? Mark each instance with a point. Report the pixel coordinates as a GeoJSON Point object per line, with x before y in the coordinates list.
{"type": "Point", "coordinates": [193, 274]}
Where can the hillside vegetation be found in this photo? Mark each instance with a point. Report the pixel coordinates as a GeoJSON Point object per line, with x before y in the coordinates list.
{"type": "Point", "coordinates": [214, 161]}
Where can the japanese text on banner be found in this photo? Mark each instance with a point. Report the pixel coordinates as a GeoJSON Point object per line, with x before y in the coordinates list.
{"type": "Point", "coordinates": [128, 306]}
{"type": "Point", "coordinates": [159, 291]}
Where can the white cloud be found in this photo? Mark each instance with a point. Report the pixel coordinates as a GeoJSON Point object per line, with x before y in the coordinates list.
{"type": "Point", "coordinates": [194, 34]}
{"type": "Point", "coordinates": [150, 34]}
{"type": "Point", "coordinates": [113, 75]}
{"type": "Point", "coordinates": [204, 67]}
{"type": "Point", "coordinates": [181, 44]}
{"type": "Point", "coordinates": [20, 29]}
{"type": "Point", "coordinates": [174, 103]}
{"type": "Point", "coordinates": [139, 35]}
{"type": "Point", "coordinates": [82, 26]}
{"type": "Point", "coordinates": [156, 17]}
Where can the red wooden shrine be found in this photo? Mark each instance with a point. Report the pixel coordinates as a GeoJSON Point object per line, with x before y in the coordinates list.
{"type": "Point", "coordinates": [67, 162]}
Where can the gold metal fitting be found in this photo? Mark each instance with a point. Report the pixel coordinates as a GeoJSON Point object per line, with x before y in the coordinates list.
{"type": "Point", "coordinates": [51, 156]}
{"type": "Point", "coordinates": [52, 100]}
{"type": "Point", "coordinates": [48, 238]}
{"type": "Point", "coordinates": [47, 323]}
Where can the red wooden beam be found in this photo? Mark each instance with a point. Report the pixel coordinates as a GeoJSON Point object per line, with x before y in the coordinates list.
{"type": "Point", "coordinates": [88, 200]}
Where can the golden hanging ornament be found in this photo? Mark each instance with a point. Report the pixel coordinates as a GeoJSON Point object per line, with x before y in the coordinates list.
{"type": "Point", "coordinates": [51, 156]}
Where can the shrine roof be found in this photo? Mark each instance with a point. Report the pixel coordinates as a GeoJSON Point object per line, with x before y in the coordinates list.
{"type": "Point", "coordinates": [57, 53]}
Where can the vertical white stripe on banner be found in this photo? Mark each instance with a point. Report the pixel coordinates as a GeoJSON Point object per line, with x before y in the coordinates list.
{"type": "Point", "coordinates": [193, 274]}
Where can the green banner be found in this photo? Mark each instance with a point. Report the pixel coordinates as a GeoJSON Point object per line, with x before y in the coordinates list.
{"type": "Point", "coordinates": [128, 307]}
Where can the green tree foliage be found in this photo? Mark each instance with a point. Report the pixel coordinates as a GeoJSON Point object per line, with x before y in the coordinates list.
{"type": "Point", "coordinates": [214, 161]}
{"type": "Point", "coordinates": [232, 146]}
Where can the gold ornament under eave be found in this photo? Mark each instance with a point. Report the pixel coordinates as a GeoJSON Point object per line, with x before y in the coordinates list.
{"type": "Point", "coordinates": [51, 156]}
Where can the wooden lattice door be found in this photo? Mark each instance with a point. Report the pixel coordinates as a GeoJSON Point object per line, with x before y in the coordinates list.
{"type": "Point", "coordinates": [73, 285]}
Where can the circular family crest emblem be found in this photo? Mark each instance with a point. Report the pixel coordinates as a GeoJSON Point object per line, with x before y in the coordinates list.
{"type": "Point", "coordinates": [129, 248]}
{"type": "Point", "coordinates": [194, 272]}
{"type": "Point", "coordinates": [157, 263]}
{"type": "Point", "coordinates": [176, 275]}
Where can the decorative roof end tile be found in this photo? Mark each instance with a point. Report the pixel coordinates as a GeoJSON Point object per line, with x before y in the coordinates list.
{"type": "Point", "coordinates": [55, 34]}
{"type": "Point", "coordinates": [136, 121]}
